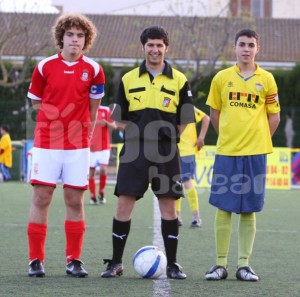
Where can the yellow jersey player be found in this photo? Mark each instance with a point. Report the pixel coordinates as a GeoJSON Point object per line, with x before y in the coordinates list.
{"type": "Point", "coordinates": [5, 153]}
{"type": "Point", "coordinates": [190, 143]}
{"type": "Point", "coordinates": [245, 112]}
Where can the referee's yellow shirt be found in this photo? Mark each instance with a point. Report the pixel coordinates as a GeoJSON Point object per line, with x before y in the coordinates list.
{"type": "Point", "coordinates": [154, 106]}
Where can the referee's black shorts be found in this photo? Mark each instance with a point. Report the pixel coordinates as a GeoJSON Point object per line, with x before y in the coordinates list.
{"type": "Point", "coordinates": [142, 163]}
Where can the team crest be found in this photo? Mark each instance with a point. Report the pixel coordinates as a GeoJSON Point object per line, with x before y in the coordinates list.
{"type": "Point", "coordinates": [230, 84]}
{"type": "Point", "coordinates": [85, 75]}
{"type": "Point", "coordinates": [166, 102]}
{"type": "Point", "coordinates": [258, 87]}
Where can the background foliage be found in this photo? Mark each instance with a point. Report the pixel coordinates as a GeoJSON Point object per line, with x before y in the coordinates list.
{"type": "Point", "coordinates": [14, 105]}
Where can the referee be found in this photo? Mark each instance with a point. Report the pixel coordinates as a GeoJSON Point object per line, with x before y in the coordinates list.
{"type": "Point", "coordinates": [154, 104]}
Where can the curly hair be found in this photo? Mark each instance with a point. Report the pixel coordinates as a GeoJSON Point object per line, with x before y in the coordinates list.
{"type": "Point", "coordinates": [67, 21]}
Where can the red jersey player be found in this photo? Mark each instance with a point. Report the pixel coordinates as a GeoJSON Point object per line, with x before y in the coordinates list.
{"type": "Point", "coordinates": [66, 90]}
{"type": "Point", "coordinates": [100, 153]}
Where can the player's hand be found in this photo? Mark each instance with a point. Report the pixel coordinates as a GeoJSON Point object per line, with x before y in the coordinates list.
{"type": "Point", "coordinates": [199, 144]}
{"type": "Point", "coordinates": [102, 122]}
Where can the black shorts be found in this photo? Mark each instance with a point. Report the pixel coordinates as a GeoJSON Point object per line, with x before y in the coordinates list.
{"type": "Point", "coordinates": [142, 163]}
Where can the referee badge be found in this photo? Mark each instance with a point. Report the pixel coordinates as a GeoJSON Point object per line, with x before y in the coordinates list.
{"type": "Point", "coordinates": [166, 102]}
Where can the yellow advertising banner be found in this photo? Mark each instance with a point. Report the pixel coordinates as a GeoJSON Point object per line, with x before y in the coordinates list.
{"type": "Point", "coordinates": [279, 174]}
{"type": "Point", "coordinates": [278, 168]}
{"type": "Point", "coordinates": [205, 161]}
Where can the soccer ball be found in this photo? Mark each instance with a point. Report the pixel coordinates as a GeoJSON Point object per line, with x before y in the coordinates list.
{"type": "Point", "coordinates": [150, 262]}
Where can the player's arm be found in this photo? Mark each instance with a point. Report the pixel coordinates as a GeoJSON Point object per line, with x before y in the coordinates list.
{"type": "Point", "coordinates": [204, 127]}
{"type": "Point", "coordinates": [94, 105]}
{"type": "Point", "coordinates": [120, 125]}
{"type": "Point", "coordinates": [2, 148]}
{"type": "Point", "coordinates": [96, 94]}
{"type": "Point", "coordinates": [215, 118]}
{"type": "Point", "coordinates": [36, 104]}
{"type": "Point", "coordinates": [185, 109]}
{"type": "Point", "coordinates": [274, 120]}
{"type": "Point", "coordinates": [111, 125]}
{"type": "Point", "coordinates": [120, 110]}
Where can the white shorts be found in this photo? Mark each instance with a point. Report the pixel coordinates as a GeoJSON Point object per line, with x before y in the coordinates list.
{"type": "Point", "coordinates": [99, 158]}
{"type": "Point", "coordinates": [71, 166]}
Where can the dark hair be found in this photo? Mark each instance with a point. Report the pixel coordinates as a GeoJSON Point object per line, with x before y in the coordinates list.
{"type": "Point", "coordinates": [5, 128]}
{"type": "Point", "coordinates": [155, 32]}
{"type": "Point", "coordinates": [246, 32]}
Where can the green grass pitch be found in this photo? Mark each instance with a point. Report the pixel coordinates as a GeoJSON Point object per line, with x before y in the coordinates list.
{"type": "Point", "coordinates": [275, 257]}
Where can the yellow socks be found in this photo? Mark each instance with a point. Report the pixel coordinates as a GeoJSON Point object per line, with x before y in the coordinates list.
{"type": "Point", "coordinates": [222, 236]}
{"type": "Point", "coordinates": [192, 196]}
{"type": "Point", "coordinates": [178, 205]}
{"type": "Point", "coordinates": [247, 231]}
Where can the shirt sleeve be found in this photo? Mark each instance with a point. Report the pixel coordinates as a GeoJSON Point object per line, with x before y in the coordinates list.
{"type": "Point", "coordinates": [272, 99]}
{"type": "Point", "coordinates": [199, 115]}
{"type": "Point", "coordinates": [185, 111]}
{"type": "Point", "coordinates": [97, 87]}
{"type": "Point", "coordinates": [214, 97]}
{"type": "Point", "coordinates": [37, 85]}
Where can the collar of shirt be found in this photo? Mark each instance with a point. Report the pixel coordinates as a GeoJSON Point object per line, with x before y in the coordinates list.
{"type": "Point", "coordinates": [256, 72]}
{"type": "Point", "coordinates": [167, 70]}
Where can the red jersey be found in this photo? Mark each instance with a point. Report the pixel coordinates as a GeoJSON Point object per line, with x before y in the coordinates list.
{"type": "Point", "coordinates": [101, 136]}
{"type": "Point", "coordinates": [65, 90]}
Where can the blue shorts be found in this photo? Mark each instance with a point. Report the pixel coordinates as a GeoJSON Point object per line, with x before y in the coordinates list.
{"type": "Point", "coordinates": [5, 172]}
{"type": "Point", "coordinates": [188, 167]}
{"type": "Point", "coordinates": [238, 183]}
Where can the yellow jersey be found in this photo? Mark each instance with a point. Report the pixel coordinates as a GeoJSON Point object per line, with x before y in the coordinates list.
{"type": "Point", "coordinates": [6, 156]}
{"type": "Point", "coordinates": [244, 104]}
{"type": "Point", "coordinates": [189, 136]}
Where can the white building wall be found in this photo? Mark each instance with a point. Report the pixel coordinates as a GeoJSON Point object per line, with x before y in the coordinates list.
{"type": "Point", "coordinates": [142, 7]}
{"type": "Point", "coordinates": [286, 9]}
{"type": "Point", "coordinates": [280, 8]}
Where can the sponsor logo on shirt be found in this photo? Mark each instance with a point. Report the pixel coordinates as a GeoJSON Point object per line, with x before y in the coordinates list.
{"type": "Point", "coordinates": [239, 99]}
{"type": "Point", "coordinates": [68, 72]}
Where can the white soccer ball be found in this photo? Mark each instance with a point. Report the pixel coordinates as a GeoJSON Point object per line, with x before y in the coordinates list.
{"type": "Point", "coordinates": [150, 262]}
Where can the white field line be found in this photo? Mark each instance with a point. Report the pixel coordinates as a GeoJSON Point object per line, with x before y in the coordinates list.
{"type": "Point", "coordinates": [161, 286]}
